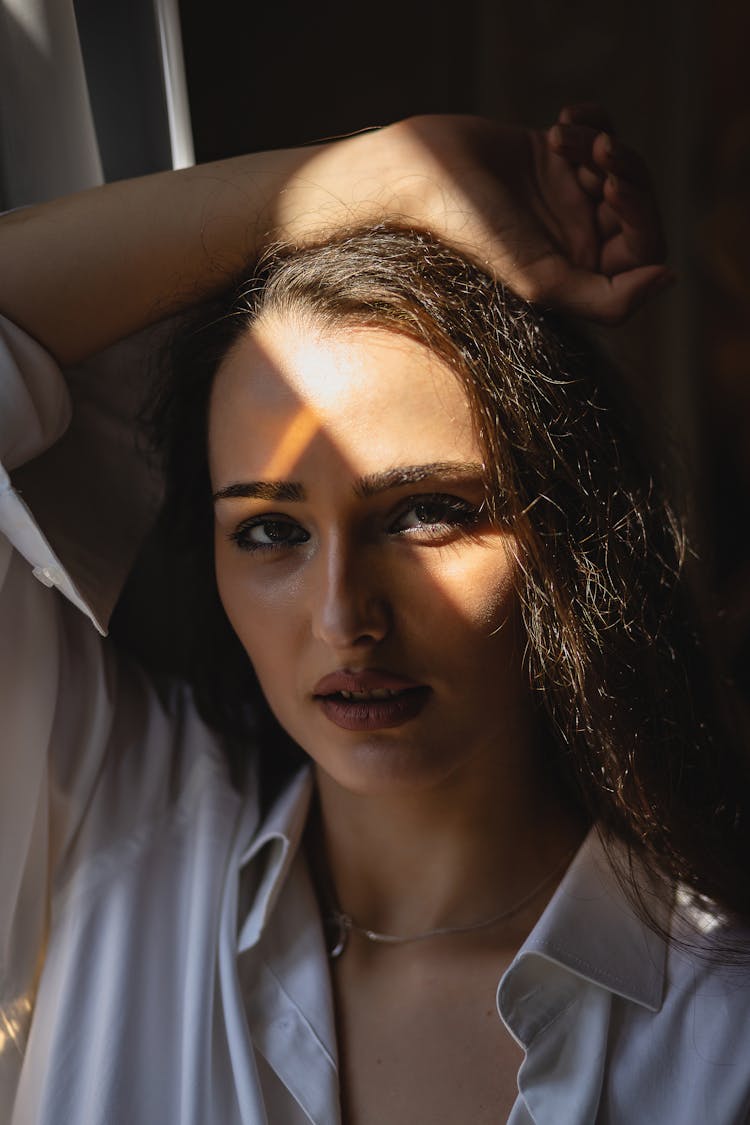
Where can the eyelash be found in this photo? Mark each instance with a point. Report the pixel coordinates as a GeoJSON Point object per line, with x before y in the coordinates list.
{"type": "Point", "coordinates": [459, 512]}
{"type": "Point", "coordinates": [454, 513]}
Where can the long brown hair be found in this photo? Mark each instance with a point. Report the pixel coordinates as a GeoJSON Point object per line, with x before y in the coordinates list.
{"type": "Point", "coordinates": [613, 650]}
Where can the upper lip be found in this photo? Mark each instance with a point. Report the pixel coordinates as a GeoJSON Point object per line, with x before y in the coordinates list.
{"type": "Point", "coordinates": [368, 680]}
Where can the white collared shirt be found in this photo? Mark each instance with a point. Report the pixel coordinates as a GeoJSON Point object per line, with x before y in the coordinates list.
{"type": "Point", "coordinates": [161, 952]}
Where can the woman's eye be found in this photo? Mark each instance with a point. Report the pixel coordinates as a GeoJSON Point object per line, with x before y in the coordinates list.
{"type": "Point", "coordinates": [268, 534]}
{"type": "Point", "coordinates": [435, 515]}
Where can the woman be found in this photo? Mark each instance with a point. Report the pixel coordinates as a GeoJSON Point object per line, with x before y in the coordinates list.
{"type": "Point", "coordinates": [461, 595]}
{"type": "Point", "coordinates": [370, 571]}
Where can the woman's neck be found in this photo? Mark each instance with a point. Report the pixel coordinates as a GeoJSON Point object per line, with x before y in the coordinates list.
{"type": "Point", "coordinates": [449, 855]}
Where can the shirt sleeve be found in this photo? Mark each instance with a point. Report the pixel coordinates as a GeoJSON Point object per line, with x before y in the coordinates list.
{"type": "Point", "coordinates": [57, 689]}
{"type": "Point", "coordinates": [97, 764]}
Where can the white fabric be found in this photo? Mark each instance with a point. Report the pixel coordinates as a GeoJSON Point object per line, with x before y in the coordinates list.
{"type": "Point", "coordinates": [48, 144]}
{"type": "Point", "coordinates": [161, 955]}
{"type": "Point", "coordinates": [48, 136]}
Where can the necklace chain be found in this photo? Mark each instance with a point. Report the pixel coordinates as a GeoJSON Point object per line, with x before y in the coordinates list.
{"type": "Point", "coordinates": [340, 925]}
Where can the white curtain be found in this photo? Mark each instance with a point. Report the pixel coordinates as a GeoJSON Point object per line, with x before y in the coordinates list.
{"type": "Point", "coordinates": [58, 60]}
{"type": "Point", "coordinates": [92, 90]}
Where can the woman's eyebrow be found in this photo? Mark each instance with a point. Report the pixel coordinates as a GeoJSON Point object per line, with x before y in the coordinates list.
{"type": "Point", "coordinates": [284, 490]}
{"type": "Point", "coordinates": [369, 485]}
{"type": "Point", "coordinates": [374, 483]}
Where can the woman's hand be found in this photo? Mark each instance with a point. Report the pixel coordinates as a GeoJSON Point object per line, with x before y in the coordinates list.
{"type": "Point", "coordinates": [566, 218]}
{"type": "Point", "coordinates": [609, 231]}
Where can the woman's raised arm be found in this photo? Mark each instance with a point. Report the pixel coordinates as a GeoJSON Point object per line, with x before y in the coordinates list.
{"type": "Point", "coordinates": [563, 217]}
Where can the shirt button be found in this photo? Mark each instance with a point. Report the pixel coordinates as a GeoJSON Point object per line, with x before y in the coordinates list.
{"type": "Point", "coordinates": [47, 575]}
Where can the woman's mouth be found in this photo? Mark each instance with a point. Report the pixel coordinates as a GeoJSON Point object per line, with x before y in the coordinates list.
{"type": "Point", "coordinates": [369, 700]}
{"type": "Point", "coordinates": [376, 693]}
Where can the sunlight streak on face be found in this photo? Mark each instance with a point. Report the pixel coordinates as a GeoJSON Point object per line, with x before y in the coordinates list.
{"type": "Point", "coordinates": [307, 383]}
{"type": "Point", "coordinates": [294, 440]}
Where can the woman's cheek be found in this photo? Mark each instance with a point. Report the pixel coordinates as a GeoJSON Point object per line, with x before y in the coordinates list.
{"type": "Point", "coordinates": [477, 585]}
{"type": "Point", "coordinates": [262, 604]}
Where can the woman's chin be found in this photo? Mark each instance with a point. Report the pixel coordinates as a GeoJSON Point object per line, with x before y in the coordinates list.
{"type": "Point", "coordinates": [389, 762]}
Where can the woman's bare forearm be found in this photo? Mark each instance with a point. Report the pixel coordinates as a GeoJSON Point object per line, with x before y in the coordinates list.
{"type": "Point", "coordinates": [83, 271]}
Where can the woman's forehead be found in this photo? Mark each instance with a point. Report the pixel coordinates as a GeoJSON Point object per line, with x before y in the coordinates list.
{"type": "Point", "coordinates": [377, 397]}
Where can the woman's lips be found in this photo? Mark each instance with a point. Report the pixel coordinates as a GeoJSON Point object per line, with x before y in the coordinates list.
{"type": "Point", "coordinates": [370, 699]}
{"type": "Point", "coordinates": [374, 713]}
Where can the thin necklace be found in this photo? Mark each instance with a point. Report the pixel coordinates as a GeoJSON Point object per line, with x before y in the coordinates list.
{"type": "Point", "coordinates": [338, 925]}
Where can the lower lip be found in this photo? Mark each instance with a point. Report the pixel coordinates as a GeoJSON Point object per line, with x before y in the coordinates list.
{"type": "Point", "coordinates": [374, 714]}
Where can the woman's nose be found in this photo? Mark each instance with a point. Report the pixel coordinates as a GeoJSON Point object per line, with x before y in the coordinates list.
{"type": "Point", "coordinates": [348, 604]}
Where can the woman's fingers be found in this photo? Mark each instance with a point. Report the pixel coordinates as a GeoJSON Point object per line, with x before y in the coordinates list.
{"type": "Point", "coordinates": [586, 113]}
{"type": "Point", "coordinates": [607, 220]}
{"type": "Point", "coordinates": [617, 179]}
{"type": "Point", "coordinates": [574, 142]}
{"type": "Point", "coordinates": [600, 153]}
{"type": "Point", "coordinates": [613, 157]}
{"type": "Point", "coordinates": [640, 239]}
{"type": "Point", "coordinates": [591, 181]}
{"type": "Point", "coordinates": [630, 241]}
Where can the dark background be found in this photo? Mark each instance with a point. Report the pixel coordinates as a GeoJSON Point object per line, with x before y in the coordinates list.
{"type": "Point", "coordinates": [674, 76]}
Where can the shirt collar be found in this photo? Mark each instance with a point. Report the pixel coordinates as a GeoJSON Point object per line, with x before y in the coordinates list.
{"type": "Point", "coordinates": [589, 929]}
{"type": "Point", "coordinates": [589, 932]}
{"type": "Point", "coordinates": [267, 860]}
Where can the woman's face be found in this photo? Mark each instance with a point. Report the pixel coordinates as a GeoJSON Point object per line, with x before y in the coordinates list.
{"type": "Point", "coordinates": [353, 556]}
